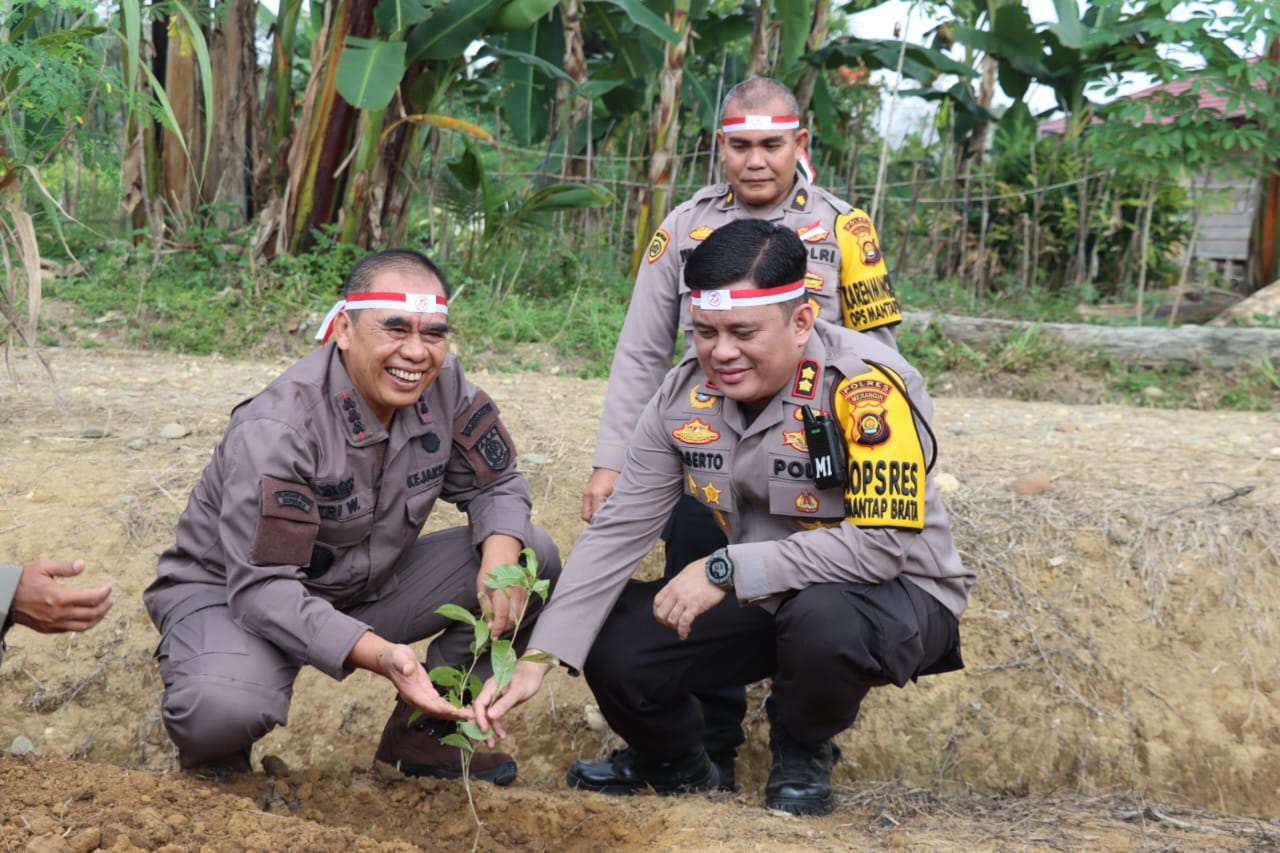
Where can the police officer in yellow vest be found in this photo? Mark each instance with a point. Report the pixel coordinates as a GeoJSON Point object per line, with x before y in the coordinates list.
{"type": "Point", "coordinates": [809, 445]}
{"type": "Point", "coordinates": [762, 147]}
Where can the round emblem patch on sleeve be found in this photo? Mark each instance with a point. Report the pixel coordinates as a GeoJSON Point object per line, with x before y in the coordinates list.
{"type": "Point", "coordinates": [658, 246]}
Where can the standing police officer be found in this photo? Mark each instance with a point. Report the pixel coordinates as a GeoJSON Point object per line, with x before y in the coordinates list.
{"type": "Point", "coordinates": [301, 541]}
{"type": "Point", "coordinates": [762, 147]}
{"type": "Point", "coordinates": [809, 444]}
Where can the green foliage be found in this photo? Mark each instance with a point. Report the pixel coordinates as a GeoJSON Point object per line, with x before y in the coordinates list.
{"type": "Point", "coordinates": [562, 310]}
{"type": "Point", "coordinates": [206, 297]}
{"type": "Point", "coordinates": [369, 71]}
{"type": "Point", "coordinates": [498, 214]}
{"type": "Point", "coordinates": [460, 683]}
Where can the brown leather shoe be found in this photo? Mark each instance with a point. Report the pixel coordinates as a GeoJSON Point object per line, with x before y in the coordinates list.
{"type": "Point", "coordinates": [415, 750]}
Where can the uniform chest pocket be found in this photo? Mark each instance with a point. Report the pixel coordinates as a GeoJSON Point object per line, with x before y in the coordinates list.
{"type": "Point", "coordinates": [793, 493]}
{"type": "Point", "coordinates": [346, 521]}
{"type": "Point", "coordinates": [711, 489]}
{"type": "Point", "coordinates": [418, 507]}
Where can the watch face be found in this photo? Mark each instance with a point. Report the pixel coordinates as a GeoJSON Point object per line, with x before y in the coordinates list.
{"type": "Point", "coordinates": [719, 569]}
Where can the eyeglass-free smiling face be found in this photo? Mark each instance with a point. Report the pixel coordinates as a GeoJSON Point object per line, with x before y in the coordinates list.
{"type": "Point", "coordinates": [752, 353]}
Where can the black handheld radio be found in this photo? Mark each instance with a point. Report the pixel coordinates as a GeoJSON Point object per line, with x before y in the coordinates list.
{"type": "Point", "coordinates": [825, 449]}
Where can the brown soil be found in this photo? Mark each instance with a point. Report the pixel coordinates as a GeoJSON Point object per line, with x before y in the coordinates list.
{"type": "Point", "coordinates": [1121, 689]}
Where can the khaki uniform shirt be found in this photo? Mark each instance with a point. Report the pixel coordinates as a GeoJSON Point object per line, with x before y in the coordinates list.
{"type": "Point", "coordinates": [847, 280]}
{"type": "Point", "coordinates": [9, 577]}
{"type": "Point", "coordinates": [756, 477]}
{"type": "Point", "coordinates": [309, 503]}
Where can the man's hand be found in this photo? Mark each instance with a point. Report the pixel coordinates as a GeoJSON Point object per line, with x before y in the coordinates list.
{"type": "Point", "coordinates": [599, 487]}
{"type": "Point", "coordinates": [44, 605]}
{"type": "Point", "coordinates": [686, 597]}
{"type": "Point", "coordinates": [401, 666]}
{"type": "Point", "coordinates": [490, 707]}
{"type": "Point", "coordinates": [505, 604]}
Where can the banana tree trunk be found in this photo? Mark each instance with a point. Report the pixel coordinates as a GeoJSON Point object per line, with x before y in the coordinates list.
{"type": "Point", "coordinates": [817, 38]}
{"type": "Point", "coordinates": [764, 40]}
{"type": "Point", "coordinates": [279, 94]}
{"type": "Point", "coordinates": [232, 57]}
{"type": "Point", "coordinates": [325, 130]}
{"type": "Point", "coordinates": [655, 198]}
{"type": "Point", "coordinates": [567, 105]}
{"type": "Point", "coordinates": [179, 154]}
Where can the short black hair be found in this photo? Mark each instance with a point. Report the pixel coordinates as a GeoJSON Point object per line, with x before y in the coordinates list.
{"type": "Point", "coordinates": [749, 250]}
{"type": "Point", "coordinates": [757, 93]}
{"type": "Point", "coordinates": [360, 278]}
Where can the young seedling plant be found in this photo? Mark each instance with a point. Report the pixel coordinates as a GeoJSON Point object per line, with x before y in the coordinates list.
{"type": "Point", "coordinates": [460, 683]}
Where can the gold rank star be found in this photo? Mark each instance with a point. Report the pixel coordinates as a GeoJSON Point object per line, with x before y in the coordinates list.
{"type": "Point", "coordinates": [806, 378]}
{"type": "Point", "coordinates": [711, 493]}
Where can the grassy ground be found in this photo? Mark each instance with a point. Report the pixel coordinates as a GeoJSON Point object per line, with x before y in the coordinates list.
{"type": "Point", "coordinates": [560, 312]}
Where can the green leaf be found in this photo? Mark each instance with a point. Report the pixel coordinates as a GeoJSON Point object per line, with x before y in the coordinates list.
{"type": "Point", "coordinates": [642, 17]}
{"type": "Point", "coordinates": [394, 15]}
{"type": "Point", "coordinates": [460, 741]}
{"type": "Point", "coordinates": [131, 14]}
{"type": "Point", "coordinates": [481, 629]}
{"type": "Point", "coordinates": [504, 576]}
{"type": "Point", "coordinates": [450, 29]}
{"type": "Point", "coordinates": [445, 676]}
{"type": "Point", "coordinates": [827, 120]}
{"type": "Point", "coordinates": [471, 730]}
{"type": "Point", "coordinates": [797, 20]}
{"type": "Point", "coordinates": [520, 15]}
{"type": "Point", "coordinates": [542, 588]}
{"type": "Point", "coordinates": [369, 70]}
{"type": "Point", "coordinates": [457, 613]}
{"type": "Point", "coordinates": [528, 96]}
{"type": "Point", "coordinates": [503, 658]}
{"type": "Point", "coordinates": [1068, 29]}
{"type": "Point", "coordinates": [568, 197]}
{"type": "Point", "coordinates": [539, 657]}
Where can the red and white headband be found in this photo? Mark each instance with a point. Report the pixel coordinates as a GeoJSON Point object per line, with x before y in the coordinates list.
{"type": "Point", "coordinates": [724, 300]}
{"type": "Point", "coordinates": [414, 303]}
{"type": "Point", "coordinates": [755, 122]}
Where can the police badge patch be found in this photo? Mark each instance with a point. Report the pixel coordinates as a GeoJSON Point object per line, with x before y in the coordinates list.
{"type": "Point", "coordinates": [494, 450]}
{"type": "Point", "coordinates": [658, 246]}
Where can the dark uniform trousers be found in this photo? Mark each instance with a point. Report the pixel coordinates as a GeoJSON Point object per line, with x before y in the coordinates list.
{"type": "Point", "coordinates": [824, 648]}
{"type": "Point", "coordinates": [225, 688]}
{"type": "Point", "coordinates": [692, 533]}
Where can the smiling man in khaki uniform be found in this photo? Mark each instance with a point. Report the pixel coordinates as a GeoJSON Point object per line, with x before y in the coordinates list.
{"type": "Point", "coordinates": [301, 542]}
{"type": "Point", "coordinates": [762, 147]}
{"type": "Point", "coordinates": [810, 446]}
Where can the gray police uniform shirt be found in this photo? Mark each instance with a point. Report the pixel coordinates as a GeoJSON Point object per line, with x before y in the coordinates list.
{"type": "Point", "coordinates": [309, 503]}
{"type": "Point", "coordinates": [758, 481]}
{"type": "Point", "coordinates": [847, 282]}
{"type": "Point", "coordinates": [9, 577]}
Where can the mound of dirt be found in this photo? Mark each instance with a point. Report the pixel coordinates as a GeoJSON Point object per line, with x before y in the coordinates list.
{"type": "Point", "coordinates": [1122, 660]}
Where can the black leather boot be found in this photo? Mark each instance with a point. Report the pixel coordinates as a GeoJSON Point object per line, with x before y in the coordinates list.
{"type": "Point", "coordinates": [630, 772]}
{"type": "Point", "coordinates": [800, 781]}
{"type": "Point", "coordinates": [726, 762]}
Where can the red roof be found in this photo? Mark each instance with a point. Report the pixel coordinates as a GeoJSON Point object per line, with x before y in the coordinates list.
{"type": "Point", "coordinates": [1210, 100]}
